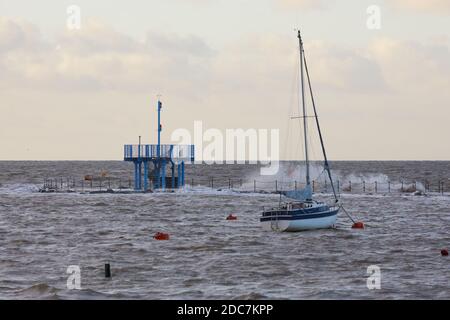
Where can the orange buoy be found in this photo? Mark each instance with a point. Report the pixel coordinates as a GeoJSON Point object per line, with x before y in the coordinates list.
{"type": "Point", "coordinates": [231, 217]}
{"type": "Point", "coordinates": [161, 236]}
{"type": "Point", "coordinates": [444, 252]}
{"type": "Point", "coordinates": [358, 225]}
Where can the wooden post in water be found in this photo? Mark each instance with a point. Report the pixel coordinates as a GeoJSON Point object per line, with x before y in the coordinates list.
{"type": "Point", "coordinates": [107, 270]}
{"type": "Point", "coordinates": [376, 187]}
{"type": "Point", "coordinates": [314, 185]}
{"type": "Point", "coordinates": [276, 185]}
{"type": "Point", "coordinates": [254, 186]}
{"type": "Point", "coordinates": [229, 183]}
{"type": "Point", "coordinates": [389, 186]}
{"type": "Point", "coordinates": [295, 185]}
{"type": "Point", "coordinates": [350, 186]}
{"type": "Point", "coordinates": [338, 187]}
{"type": "Point", "coordinates": [364, 186]}
{"type": "Point", "coordinates": [402, 186]}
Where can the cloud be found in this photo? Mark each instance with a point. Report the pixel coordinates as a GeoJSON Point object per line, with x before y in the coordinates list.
{"type": "Point", "coordinates": [414, 67]}
{"type": "Point", "coordinates": [99, 58]}
{"type": "Point", "coordinates": [18, 34]}
{"type": "Point", "coordinates": [91, 78]}
{"type": "Point", "coordinates": [434, 6]}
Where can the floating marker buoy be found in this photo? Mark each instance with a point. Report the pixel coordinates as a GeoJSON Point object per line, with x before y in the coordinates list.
{"type": "Point", "coordinates": [444, 252]}
{"type": "Point", "coordinates": [231, 217]}
{"type": "Point", "coordinates": [358, 225]}
{"type": "Point", "coordinates": [161, 236]}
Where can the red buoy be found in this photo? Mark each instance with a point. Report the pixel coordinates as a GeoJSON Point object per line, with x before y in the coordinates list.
{"type": "Point", "coordinates": [161, 236]}
{"type": "Point", "coordinates": [358, 225]}
{"type": "Point", "coordinates": [444, 252]}
{"type": "Point", "coordinates": [231, 217]}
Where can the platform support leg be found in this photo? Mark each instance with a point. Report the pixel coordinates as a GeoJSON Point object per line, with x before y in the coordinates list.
{"type": "Point", "coordinates": [182, 173]}
{"type": "Point", "coordinates": [145, 175]}
{"type": "Point", "coordinates": [173, 175]}
{"type": "Point", "coordinates": [163, 174]}
{"type": "Point", "coordinates": [135, 176]}
{"type": "Point", "coordinates": [140, 176]}
{"type": "Point", "coordinates": [157, 182]}
{"type": "Point", "coordinates": [179, 175]}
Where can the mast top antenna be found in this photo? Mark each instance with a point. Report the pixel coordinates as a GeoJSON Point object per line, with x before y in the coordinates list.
{"type": "Point", "coordinates": [299, 36]}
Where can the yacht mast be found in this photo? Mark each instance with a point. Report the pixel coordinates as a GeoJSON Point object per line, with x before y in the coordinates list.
{"type": "Point", "coordinates": [305, 129]}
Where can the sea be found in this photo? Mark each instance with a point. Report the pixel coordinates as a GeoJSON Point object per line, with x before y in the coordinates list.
{"type": "Point", "coordinates": [55, 245]}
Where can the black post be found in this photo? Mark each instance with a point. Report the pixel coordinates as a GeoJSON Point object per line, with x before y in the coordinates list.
{"type": "Point", "coordinates": [229, 183]}
{"type": "Point", "coordinates": [295, 184]}
{"type": "Point", "coordinates": [350, 186]}
{"type": "Point", "coordinates": [276, 185]}
{"type": "Point", "coordinates": [364, 186]}
{"type": "Point", "coordinates": [376, 187]}
{"type": "Point", "coordinates": [389, 186]}
{"type": "Point", "coordinates": [107, 271]}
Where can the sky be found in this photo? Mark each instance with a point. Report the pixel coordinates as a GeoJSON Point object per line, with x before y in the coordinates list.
{"type": "Point", "coordinates": [80, 94]}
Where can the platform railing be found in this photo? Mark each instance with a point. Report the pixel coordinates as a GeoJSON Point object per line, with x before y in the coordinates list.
{"type": "Point", "coordinates": [150, 151]}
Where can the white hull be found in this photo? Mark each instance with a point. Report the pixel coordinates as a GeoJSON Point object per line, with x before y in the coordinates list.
{"type": "Point", "coordinates": [300, 224]}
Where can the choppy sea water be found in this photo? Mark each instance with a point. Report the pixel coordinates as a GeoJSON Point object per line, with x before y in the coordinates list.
{"type": "Point", "coordinates": [208, 257]}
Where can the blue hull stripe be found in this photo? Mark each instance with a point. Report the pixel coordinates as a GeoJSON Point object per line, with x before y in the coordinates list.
{"type": "Point", "coordinates": [287, 216]}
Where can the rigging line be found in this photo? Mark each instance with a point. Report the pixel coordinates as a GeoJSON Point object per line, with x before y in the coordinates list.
{"type": "Point", "coordinates": [348, 214]}
{"type": "Point", "coordinates": [327, 167]}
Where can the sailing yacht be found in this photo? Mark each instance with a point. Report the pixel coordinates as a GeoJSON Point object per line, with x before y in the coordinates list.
{"type": "Point", "coordinates": [303, 213]}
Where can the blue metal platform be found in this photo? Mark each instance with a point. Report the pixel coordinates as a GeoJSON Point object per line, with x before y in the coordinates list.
{"type": "Point", "coordinates": [154, 158]}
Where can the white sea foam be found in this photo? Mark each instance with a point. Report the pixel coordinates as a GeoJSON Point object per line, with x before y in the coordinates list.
{"type": "Point", "coordinates": [18, 188]}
